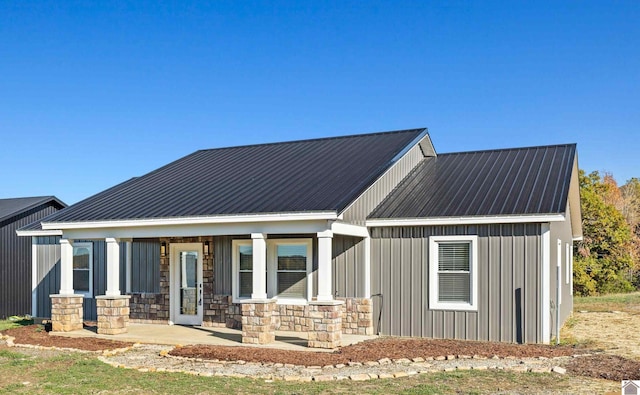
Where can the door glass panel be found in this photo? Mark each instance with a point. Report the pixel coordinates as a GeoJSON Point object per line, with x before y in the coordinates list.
{"type": "Point", "coordinates": [188, 282]}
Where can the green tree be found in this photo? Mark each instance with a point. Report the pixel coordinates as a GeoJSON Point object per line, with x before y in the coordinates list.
{"type": "Point", "coordinates": [605, 261]}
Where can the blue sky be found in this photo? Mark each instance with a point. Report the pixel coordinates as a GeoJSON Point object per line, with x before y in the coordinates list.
{"type": "Point", "coordinates": [94, 93]}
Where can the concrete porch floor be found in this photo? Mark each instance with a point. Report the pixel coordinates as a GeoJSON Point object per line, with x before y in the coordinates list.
{"type": "Point", "coordinates": [178, 334]}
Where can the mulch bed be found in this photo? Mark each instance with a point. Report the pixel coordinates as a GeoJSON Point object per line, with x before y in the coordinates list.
{"type": "Point", "coordinates": [374, 350]}
{"type": "Point", "coordinates": [609, 367]}
{"type": "Point", "coordinates": [36, 335]}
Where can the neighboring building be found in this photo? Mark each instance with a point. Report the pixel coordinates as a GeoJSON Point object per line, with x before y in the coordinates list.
{"type": "Point", "coordinates": [356, 234]}
{"type": "Point", "coordinates": [15, 252]}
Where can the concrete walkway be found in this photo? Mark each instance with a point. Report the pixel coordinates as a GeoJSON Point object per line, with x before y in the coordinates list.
{"type": "Point", "coordinates": [177, 334]}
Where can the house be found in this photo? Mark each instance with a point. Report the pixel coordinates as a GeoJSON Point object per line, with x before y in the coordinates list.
{"type": "Point", "coordinates": [16, 252]}
{"type": "Point", "coordinates": [372, 233]}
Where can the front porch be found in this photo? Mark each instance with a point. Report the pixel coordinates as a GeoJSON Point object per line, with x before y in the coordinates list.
{"type": "Point", "coordinates": [258, 286]}
{"type": "Point", "coordinates": [217, 336]}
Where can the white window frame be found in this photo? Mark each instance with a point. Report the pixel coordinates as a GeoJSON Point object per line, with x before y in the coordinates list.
{"type": "Point", "coordinates": [235, 264]}
{"type": "Point", "coordinates": [89, 246]}
{"type": "Point", "coordinates": [272, 269]}
{"type": "Point", "coordinates": [434, 303]}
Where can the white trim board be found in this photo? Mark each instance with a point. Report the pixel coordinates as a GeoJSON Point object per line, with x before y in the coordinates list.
{"type": "Point", "coordinates": [34, 233]}
{"type": "Point", "coordinates": [499, 219]}
{"type": "Point", "coordinates": [221, 219]}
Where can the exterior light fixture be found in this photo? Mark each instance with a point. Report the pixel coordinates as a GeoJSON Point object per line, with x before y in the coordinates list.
{"type": "Point", "coordinates": [163, 249]}
{"type": "Point", "coordinates": [206, 248]}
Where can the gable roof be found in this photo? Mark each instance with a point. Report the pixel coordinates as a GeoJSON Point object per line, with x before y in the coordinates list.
{"type": "Point", "coordinates": [16, 206]}
{"type": "Point", "coordinates": [316, 175]}
{"type": "Point", "coordinates": [521, 181]}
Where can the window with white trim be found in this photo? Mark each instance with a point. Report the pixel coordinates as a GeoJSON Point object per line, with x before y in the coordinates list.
{"type": "Point", "coordinates": [289, 265]}
{"type": "Point", "coordinates": [453, 275]}
{"type": "Point", "coordinates": [83, 269]}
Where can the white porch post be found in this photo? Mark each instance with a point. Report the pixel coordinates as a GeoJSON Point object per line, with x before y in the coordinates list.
{"type": "Point", "coordinates": [113, 267]}
{"type": "Point", "coordinates": [259, 266]}
{"type": "Point", "coordinates": [324, 266]}
{"type": "Point", "coordinates": [367, 267]}
{"type": "Point", "coordinates": [66, 267]}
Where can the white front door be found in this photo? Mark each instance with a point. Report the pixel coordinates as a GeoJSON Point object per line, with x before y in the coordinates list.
{"type": "Point", "coordinates": [186, 283]}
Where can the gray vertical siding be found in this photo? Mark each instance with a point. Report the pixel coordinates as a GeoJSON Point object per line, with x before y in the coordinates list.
{"type": "Point", "coordinates": [560, 230]}
{"type": "Point", "coordinates": [48, 272]}
{"type": "Point", "coordinates": [357, 212]}
{"type": "Point", "coordinates": [348, 266]}
{"type": "Point", "coordinates": [222, 255]}
{"type": "Point", "coordinates": [508, 282]}
{"type": "Point", "coordinates": [145, 266]}
{"type": "Point", "coordinates": [15, 261]}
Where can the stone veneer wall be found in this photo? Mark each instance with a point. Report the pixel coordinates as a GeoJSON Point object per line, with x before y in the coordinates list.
{"type": "Point", "coordinates": [149, 308]}
{"type": "Point", "coordinates": [357, 317]}
{"type": "Point", "coordinates": [257, 322]}
{"type": "Point", "coordinates": [113, 314]}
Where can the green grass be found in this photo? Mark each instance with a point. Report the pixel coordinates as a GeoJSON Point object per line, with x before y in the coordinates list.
{"type": "Point", "coordinates": [615, 302]}
{"type": "Point", "coordinates": [78, 374]}
{"type": "Point", "coordinates": [14, 322]}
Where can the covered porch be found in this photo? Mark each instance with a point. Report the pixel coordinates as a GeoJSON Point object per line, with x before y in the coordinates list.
{"type": "Point", "coordinates": [253, 280]}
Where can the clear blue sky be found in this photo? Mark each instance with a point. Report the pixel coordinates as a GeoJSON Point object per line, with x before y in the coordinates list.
{"type": "Point", "coordinates": [93, 93]}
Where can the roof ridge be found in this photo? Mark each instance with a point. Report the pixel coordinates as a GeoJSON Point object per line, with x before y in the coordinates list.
{"type": "Point", "coordinates": [314, 139]}
{"type": "Point", "coordinates": [508, 149]}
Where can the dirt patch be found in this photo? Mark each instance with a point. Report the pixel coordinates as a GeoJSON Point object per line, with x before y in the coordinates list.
{"type": "Point", "coordinates": [615, 332]}
{"type": "Point", "coordinates": [35, 334]}
{"type": "Point", "coordinates": [609, 367]}
{"type": "Point", "coordinates": [373, 350]}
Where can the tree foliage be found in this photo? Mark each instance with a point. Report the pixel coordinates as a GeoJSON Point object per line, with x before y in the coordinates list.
{"type": "Point", "coordinates": [606, 257]}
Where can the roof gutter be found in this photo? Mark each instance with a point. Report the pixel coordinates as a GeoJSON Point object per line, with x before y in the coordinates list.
{"type": "Point", "coordinates": [499, 219]}
{"type": "Point", "coordinates": [203, 220]}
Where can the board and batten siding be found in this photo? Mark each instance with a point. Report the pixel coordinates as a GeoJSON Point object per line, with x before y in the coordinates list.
{"type": "Point", "coordinates": [509, 279]}
{"type": "Point", "coordinates": [145, 266]}
{"type": "Point", "coordinates": [358, 211]}
{"type": "Point", "coordinates": [15, 261]}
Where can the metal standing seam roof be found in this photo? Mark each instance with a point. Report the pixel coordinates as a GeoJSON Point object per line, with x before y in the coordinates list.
{"type": "Point", "coordinates": [14, 206]}
{"type": "Point", "coordinates": [520, 181]}
{"type": "Point", "coordinates": [298, 176]}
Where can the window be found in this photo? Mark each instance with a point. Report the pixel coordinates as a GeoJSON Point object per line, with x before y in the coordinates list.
{"type": "Point", "coordinates": [242, 269]}
{"type": "Point", "coordinates": [289, 264]}
{"type": "Point", "coordinates": [453, 273]}
{"type": "Point", "coordinates": [83, 269]}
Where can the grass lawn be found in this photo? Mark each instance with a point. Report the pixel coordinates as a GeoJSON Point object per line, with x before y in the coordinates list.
{"type": "Point", "coordinates": [78, 374]}
{"type": "Point", "coordinates": [629, 303]}
{"type": "Point", "coordinates": [14, 323]}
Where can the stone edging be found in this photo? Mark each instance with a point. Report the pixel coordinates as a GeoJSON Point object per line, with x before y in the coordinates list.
{"type": "Point", "coordinates": [411, 367]}
{"type": "Point", "coordinates": [10, 340]}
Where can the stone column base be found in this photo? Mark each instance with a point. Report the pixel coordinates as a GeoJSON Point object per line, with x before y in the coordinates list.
{"type": "Point", "coordinates": [113, 314]}
{"type": "Point", "coordinates": [325, 324]}
{"type": "Point", "coordinates": [66, 312]}
{"type": "Point", "coordinates": [257, 321]}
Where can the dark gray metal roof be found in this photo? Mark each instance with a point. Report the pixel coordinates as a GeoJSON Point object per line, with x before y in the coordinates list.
{"type": "Point", "coordinates": [299, 176]}
{"type": "Point", "coordinates": [15, 206]}
{"type": "Point", "coordinates": [518, 181]}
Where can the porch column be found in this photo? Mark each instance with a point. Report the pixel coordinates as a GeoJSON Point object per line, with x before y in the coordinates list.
{"type": "Point", "coordinates": [66, 307]}
{"type": "Point", "coordinates": [259, 266]}
{"type": "Point", "coordinates": [113, 308]}
{"type": "Point", "coordinates": [113, 267]}
{"type": "Point", "coordinates": [324, 266]}
{"type": "Point", "coordinates": [66, 267]}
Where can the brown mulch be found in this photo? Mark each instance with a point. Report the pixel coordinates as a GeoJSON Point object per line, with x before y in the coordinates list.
{"type": "Point", "coordinates": [373, 350]}
{"type": "Point", "coordinates": [609, 367]}
{"type": "Point", "coordinates": [36, 335]}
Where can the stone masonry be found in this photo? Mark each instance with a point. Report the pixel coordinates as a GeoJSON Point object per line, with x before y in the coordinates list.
{"type": "Point", "coordinates": [66, 313]}
{"type": "Point", "coordinates": [257, 322]}
{"type": "Point", "coordinates": [113, 314]}
{"type": "Point", "coordinates": [149, 308]}
{"type": "Point", "coordinates": [357, 316]}
{"type": "Point", "coordinates": [325, 325]}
